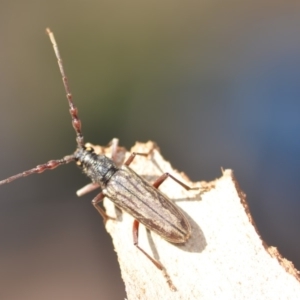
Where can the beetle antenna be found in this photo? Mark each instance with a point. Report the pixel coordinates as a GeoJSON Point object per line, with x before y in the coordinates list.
{"type": "Point", "coordinates": [50, 165]}
{"type": "Point", "coordinates": [72, 108]}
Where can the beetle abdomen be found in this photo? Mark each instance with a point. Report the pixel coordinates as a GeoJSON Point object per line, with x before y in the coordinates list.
{"type": "Point", "coordinates": [149, 206]}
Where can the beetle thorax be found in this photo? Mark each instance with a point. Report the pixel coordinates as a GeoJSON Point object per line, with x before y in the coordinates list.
{"type": "Point", "coordinates": [98, 168]}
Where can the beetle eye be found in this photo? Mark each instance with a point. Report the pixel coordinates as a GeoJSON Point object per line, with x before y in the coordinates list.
{"type": "Point", "coordinates": [88, 148]}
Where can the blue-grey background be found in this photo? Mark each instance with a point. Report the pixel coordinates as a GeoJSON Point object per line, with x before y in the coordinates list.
{"type": "Point", "coordinates": [214, 83]}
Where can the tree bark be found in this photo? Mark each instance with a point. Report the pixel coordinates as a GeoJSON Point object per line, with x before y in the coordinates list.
{"type": "Point", "coordinates": [225, 258]}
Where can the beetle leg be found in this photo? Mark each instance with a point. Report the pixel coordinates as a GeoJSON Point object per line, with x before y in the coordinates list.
{"type": "Point", "coordinates": [164, 176]}
{"type": "Point", "coordinates": [87, 188]}
{"type": "Point", "coordinates": [135, 232]}
{"type": "Point", "coordinates": [133, 155]}
{"type": "Point", "coordinates": [117, 152]}
{"type": "Point", "coordinates": [114, 148]}
{"type": "Point", "coordinates": [95, 203]}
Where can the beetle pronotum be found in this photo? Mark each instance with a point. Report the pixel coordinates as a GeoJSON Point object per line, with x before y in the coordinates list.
{"type": "Point", "coordinates": [122, 185]}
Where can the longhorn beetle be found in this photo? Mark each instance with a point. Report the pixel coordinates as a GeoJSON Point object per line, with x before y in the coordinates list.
{"type": "Point", "coordinates": [122, 185]}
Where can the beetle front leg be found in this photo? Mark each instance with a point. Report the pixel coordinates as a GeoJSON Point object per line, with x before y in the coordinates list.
{"type": "Point", "coordinates": [135, 232]}
{"type": "Point", "coordinates": [117, 152]}
{"type": "Point", "coordinates": [87, 189]}
{"type": "Point", "coordinates": [95, 203]}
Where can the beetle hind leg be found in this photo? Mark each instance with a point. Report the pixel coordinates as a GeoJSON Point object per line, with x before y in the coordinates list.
{"type": "Point", "coordinates": [135, 232]}
{"type": "Point", "coordinates": [163, 177]}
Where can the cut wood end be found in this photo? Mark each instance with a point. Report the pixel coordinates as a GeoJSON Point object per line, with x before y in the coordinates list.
{"type": "Point", "coordinates": [224, 258]}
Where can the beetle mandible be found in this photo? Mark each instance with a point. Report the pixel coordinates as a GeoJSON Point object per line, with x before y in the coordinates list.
{"type": "Point", "coordinates": [122, 185]}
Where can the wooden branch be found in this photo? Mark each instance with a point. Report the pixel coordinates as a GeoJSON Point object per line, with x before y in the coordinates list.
{"type": "Point", "coordinates": [224, 258]}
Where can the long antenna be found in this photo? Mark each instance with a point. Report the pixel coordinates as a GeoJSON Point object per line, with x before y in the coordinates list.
{"type": "Point", "coordinates": [73, 109]}
{"type": "Point", "coordinates": [52, 164]}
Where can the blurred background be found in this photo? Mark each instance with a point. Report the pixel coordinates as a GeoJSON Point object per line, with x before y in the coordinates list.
{"type": "Point", "coordinates": [214, 83]}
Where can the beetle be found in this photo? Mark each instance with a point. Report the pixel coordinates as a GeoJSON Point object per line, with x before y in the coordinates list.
{"type": "Point", "coordinates": [129, 191]}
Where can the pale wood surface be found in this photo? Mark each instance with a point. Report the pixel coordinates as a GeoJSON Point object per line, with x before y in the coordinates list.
{"type": "Point", "coordinates": [225, 257]}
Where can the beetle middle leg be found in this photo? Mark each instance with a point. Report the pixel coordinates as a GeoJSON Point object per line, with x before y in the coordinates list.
{"type": "Point", "coordinates": [96, 202]}
{"type": "Point", "coordinates": [163, 177]}
{"type": "Point", "coordinates": [133, 155]}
